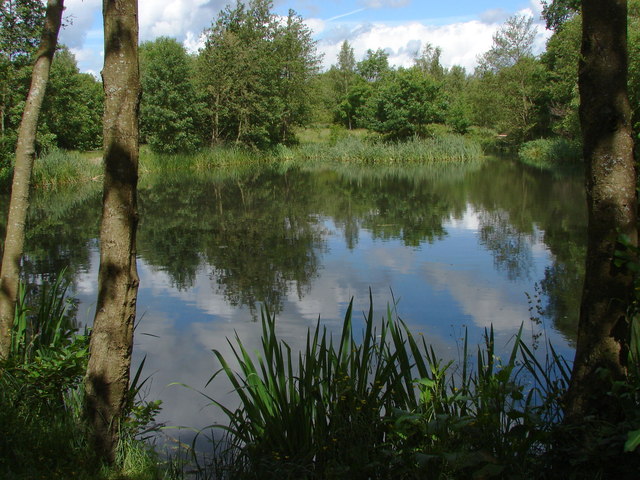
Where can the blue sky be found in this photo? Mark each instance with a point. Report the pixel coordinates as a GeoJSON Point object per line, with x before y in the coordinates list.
{"type": "Point", "coordinates": [462, 28]}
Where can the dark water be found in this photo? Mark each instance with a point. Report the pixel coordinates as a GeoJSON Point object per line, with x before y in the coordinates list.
{"type": "Point", "coordinates": [456, 247]}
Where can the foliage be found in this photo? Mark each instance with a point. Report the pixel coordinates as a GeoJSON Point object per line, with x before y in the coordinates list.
{"type": "Point", "coordinates": [346, 68]}
{"type": "Point", "coordinates": [512, 43]}
{"type": "Point", "coordinates": [374, 66]}
{"type": "Point", "coordinates": [386, 407]}
{"type": "Point", "coordinates": [561, 62]}
{"type": "Point", "coordinates": [39, 384]}
{"type": "Point", "coordinates": [633, 46]}
{"type": "Point", "coordinates": [509, 100]}
{"type": "Point", "coordinates": [550, 153]}
{"type": "Point", "coordinates": [405, 102]}
{"type": "Point", "coordinates": [351, 111]}
{"type": "Point", "coordinates": [41, 398]}
{"type": "Point", "coordinates": [20, 28]}
{"type": "Point", "coordinates": [558, 12]}
{"type": "Point", "coordinates": [429, 61]}
{"type": "Point", "coordinates": [170, 113]}
{"type": "Point", "coordinates": [72, 108]}
{"type": "Point", "coordinates": [257, 72]}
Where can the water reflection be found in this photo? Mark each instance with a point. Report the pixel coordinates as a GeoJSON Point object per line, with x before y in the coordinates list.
{"type": "Point", "coordinates": [457, 246]}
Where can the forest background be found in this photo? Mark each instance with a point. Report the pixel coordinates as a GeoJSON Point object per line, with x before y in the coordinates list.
{"type": "Point", "coordinates": [257, 81]}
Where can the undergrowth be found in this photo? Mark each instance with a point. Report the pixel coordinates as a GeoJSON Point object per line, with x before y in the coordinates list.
{"type": "Point", "coordinates": [44, 435]}
{"type": "Point", "coordinates": [384, 406]}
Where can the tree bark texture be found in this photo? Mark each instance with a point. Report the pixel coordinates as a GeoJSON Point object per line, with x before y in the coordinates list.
{"type": "Point", "coordinates": [107, 378]}
{"type": "Point", "coordinates": [25, 155]}
{"type": "Point", "coordinates": [603, 331]}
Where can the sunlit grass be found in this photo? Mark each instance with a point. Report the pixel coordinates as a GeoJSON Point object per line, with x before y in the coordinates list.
{"type": "Point", "coordinates": [60, 168]}
{"type": "Point", "coordinates": [318, 146]}
{"type": "Point", "coordinates": [551, 153]}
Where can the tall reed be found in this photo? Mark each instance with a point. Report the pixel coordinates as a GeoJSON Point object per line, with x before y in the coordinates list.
{"type": "Point", "coordinates": [380, 406]}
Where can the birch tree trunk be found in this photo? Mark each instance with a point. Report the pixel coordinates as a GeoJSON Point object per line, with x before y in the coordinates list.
{"type": "Point", "coordinates": [107, 378]}
{"type": "Point", "coordinates": [605, 117]}
{"type": "Point", "coordinates": [25, 155]}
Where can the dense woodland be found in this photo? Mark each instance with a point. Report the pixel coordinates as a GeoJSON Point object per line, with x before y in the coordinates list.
{"type": "Point", "coordinates": [257, 80]}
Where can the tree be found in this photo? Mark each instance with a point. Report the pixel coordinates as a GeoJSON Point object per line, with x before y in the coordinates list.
{"type": "Point", "coordinates": [256, 71]}
{"type": "Point", "coordinates": [557, 12]}
{"type": "Point", "coordinates": [507, 89]}
{"type": "Point", "coordinates": [561, 63]}
{"type": "Point", "coordinates": [25, 155]}
{"type": "Point", "coordinates": [169, 111]}
{"type": "Point", "coordinates": [107, 379]}
{"type": "Point", "coordinates": [72, 110]}
{"type": "Point", "coordinates": [512, 43]}
{"type": "Point", "coordinates": [605, 116]}
{"type": "Point", "coordinates": [374, 65]}
{"type": "Point", "coordinates": [298, 64]}
{"type": "Point", "coordinates": [429, 61]}
{"type": "Point", "coordinates": [20, 30]}
{"type": "Point", "coordinates": [346, 66]}
{"type": "Point", "coordinates": [406, 101]}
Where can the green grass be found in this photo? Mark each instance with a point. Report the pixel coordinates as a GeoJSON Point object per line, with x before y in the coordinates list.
{"type": "Point", "coordinates": [550, 153]}
{"type": "Point", "coordinates": [62, 168]}
{"type": "Point", "coordinates": [318, 146]}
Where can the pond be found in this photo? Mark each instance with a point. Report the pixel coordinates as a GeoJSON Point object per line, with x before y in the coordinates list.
{"type": "Point", "coordinates": [454, 248]}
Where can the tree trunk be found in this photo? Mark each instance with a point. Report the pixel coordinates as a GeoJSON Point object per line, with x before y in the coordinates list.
{"type": "Point", "coordinates": [107, 379]}
{"type": "Point", "coordinates": [25, 155]}
{"type": "Point", "coordinates": [603, 331]}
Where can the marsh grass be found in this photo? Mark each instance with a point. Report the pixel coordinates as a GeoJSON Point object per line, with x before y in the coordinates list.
{"type": "Point", "coordinates": [59, 168]}
{"type": "Point", "coordinates": [352, 149]}
{"type": "Point", "coordinates": [321, 147]}
{"type": "Point", "coordinates": [381, 405]}
{"type": "Point", "coordinates": [551, 153]}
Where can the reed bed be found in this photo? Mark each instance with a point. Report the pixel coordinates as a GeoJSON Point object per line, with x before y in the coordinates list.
{"type": "Point", "coordinates": [449, 148]}
{"type": "Point", "coordinates": [551, 153]}
{"type": "Point", "coordinates": [382, 405]}
{"type": "Point", "coordinates": [60, 168]}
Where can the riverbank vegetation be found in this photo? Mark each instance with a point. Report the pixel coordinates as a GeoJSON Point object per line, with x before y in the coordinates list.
{"type": "Point", "coordinates": [323, 146]}
{"type": "Point", "coordinates": [377, 406]}
{"type": "Point", "coordinates": [371, 403]}
{"type": "Point", "coordinates": [233, 92]}
{"type": "Point", "coordinates": [41, 398]}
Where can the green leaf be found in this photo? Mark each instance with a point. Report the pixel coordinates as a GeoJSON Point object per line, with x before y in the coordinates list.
{"type": "Point", "coordinates": [633, 440]}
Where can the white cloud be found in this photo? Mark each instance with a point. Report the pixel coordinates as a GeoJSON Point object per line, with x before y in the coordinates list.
{"type": "Point", "coordinates": [316, 25]}
{"type": "Point", "coordinates": [177, 18]}
{"type": "Point", "coordinates": [486, 303]}
{"type": "Point", "coordinates": [461, 43]}
{"type": "Point", "coordinates": [193, 43]}
{"type": "Point", "coordinates": [79, 16]}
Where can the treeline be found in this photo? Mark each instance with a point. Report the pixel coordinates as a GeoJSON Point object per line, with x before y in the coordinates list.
{"type": "Point", "coordinates": [257, 79]}
{"type": "Point", "coordinates": [71, 116]}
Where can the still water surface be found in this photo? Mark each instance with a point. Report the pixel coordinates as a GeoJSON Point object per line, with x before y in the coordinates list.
{"type": "Point", "coordinates": [455, 247]}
